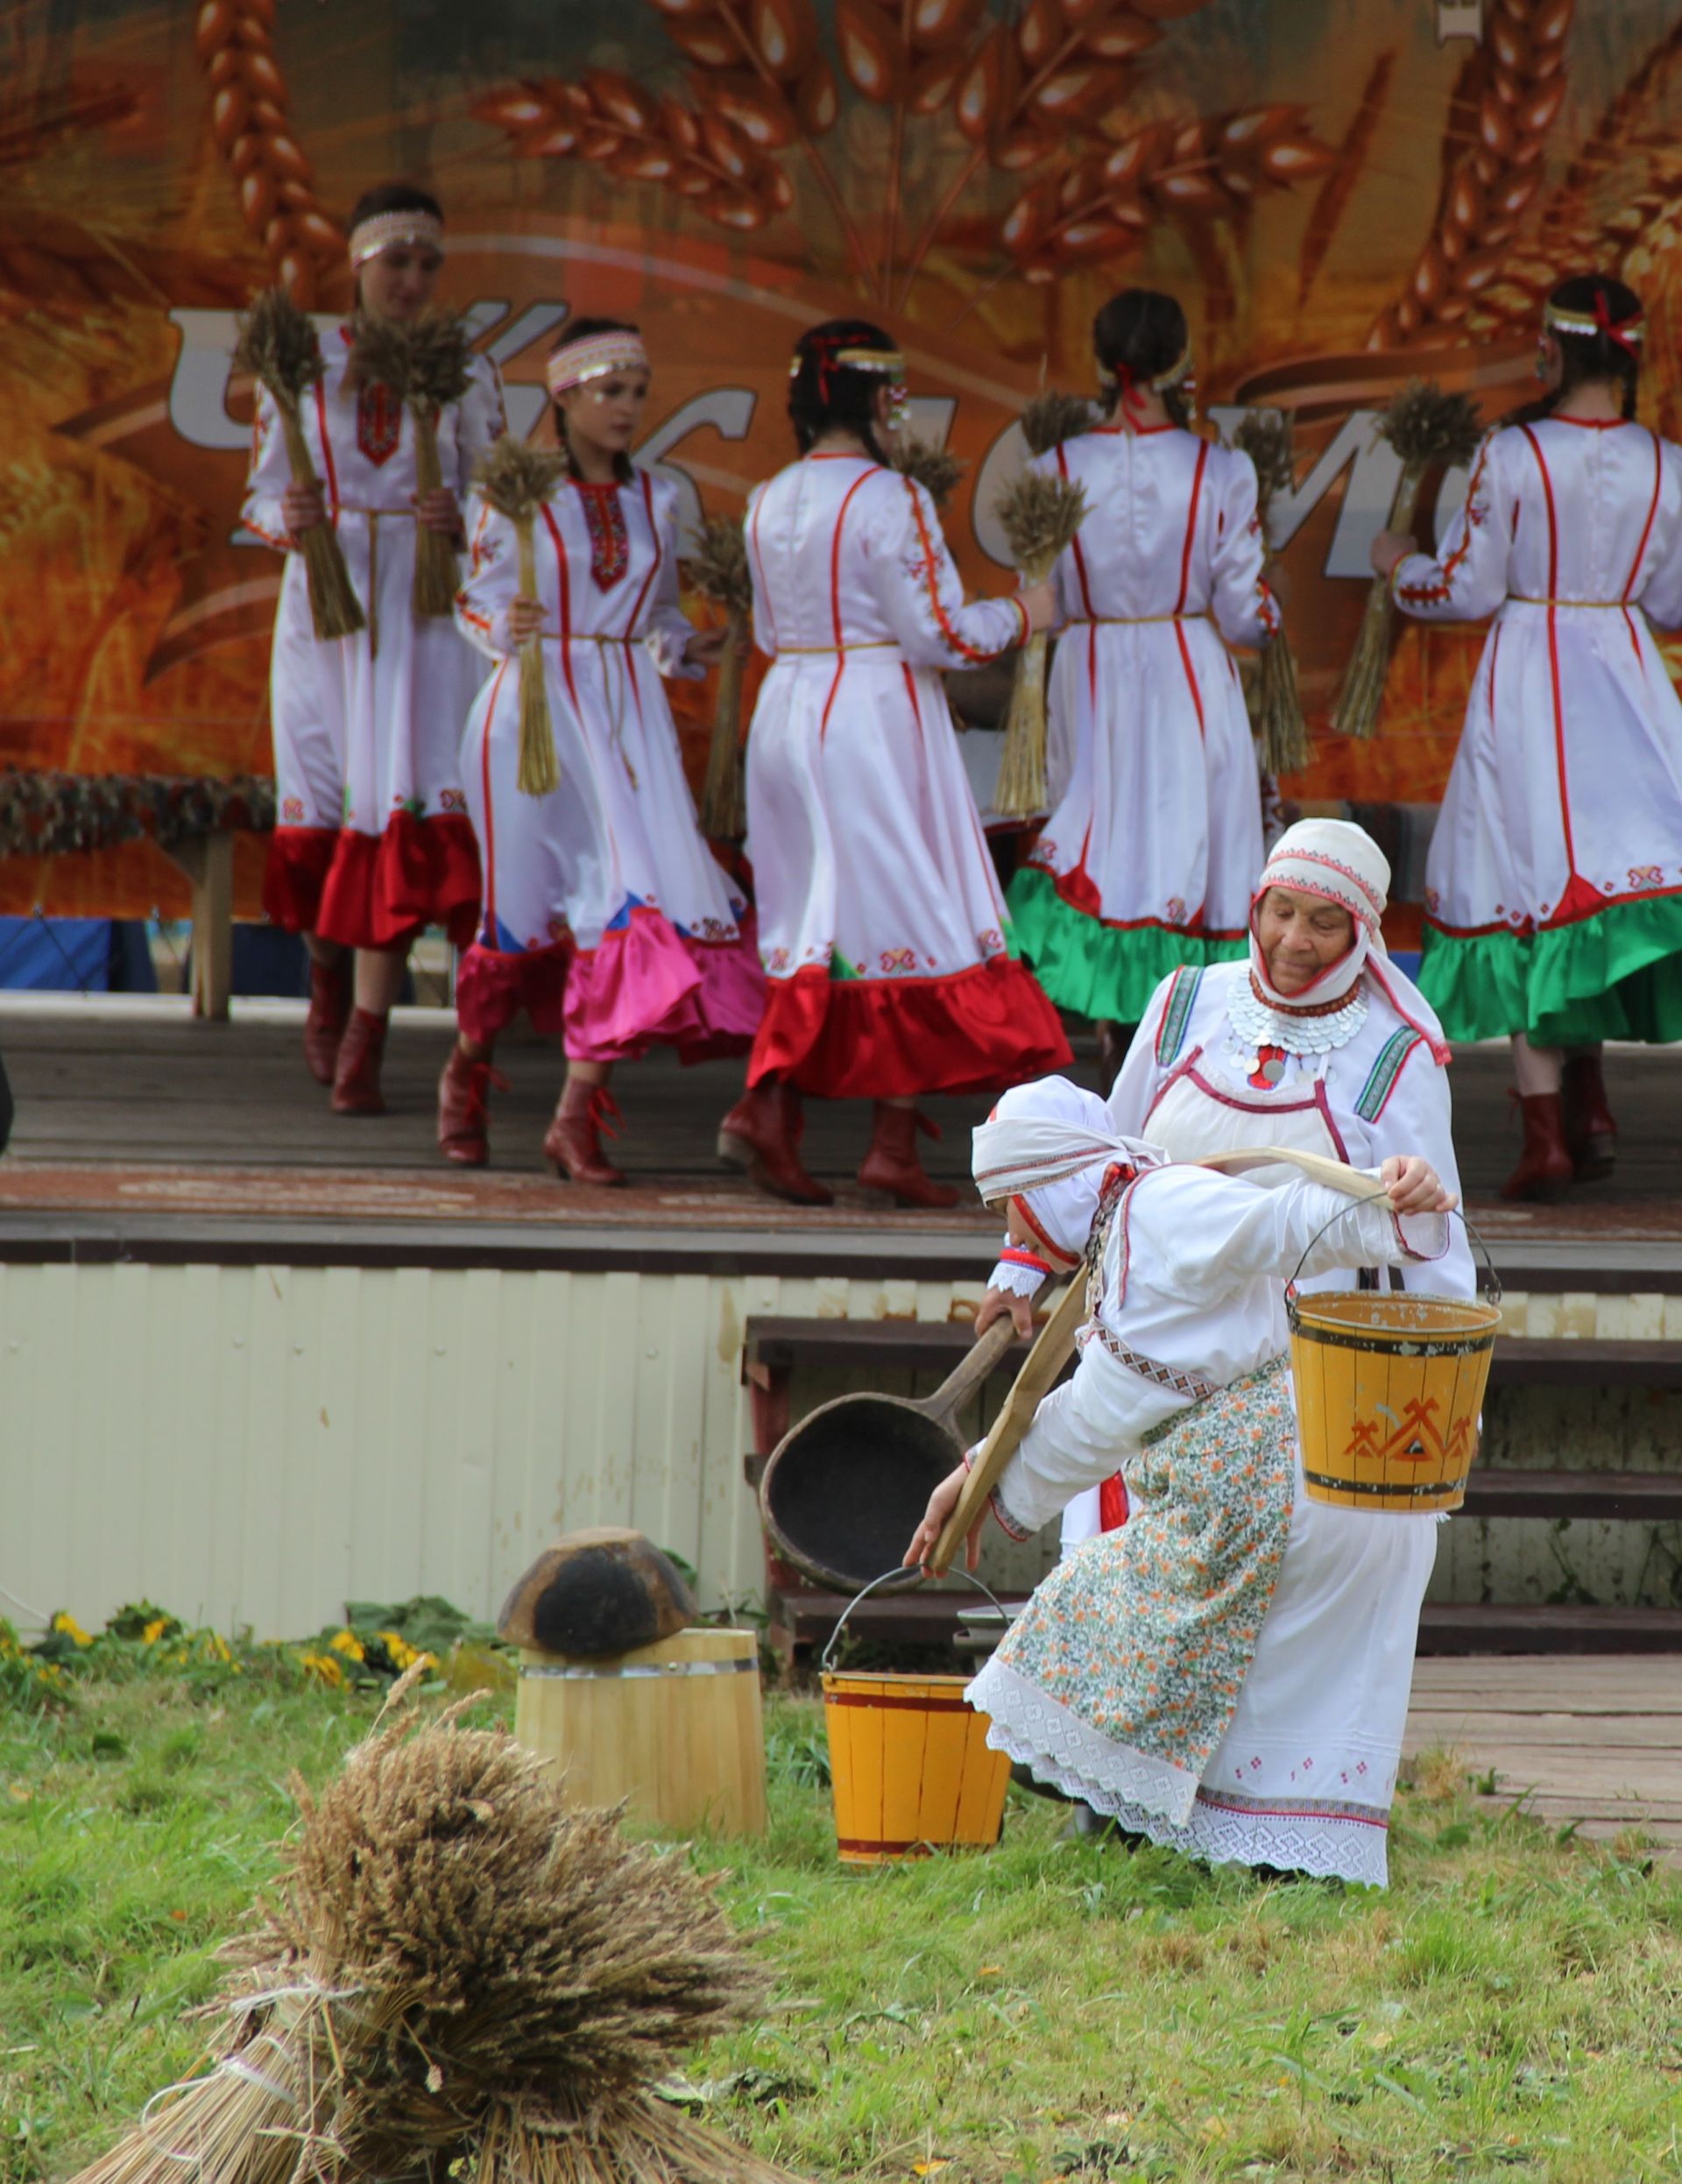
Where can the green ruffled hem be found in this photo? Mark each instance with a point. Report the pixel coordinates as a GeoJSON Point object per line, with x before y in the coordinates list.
{"type": "Point", "coordinates": [1614, 975]}
{"type": "Point", "coordinates": [1096, 969]}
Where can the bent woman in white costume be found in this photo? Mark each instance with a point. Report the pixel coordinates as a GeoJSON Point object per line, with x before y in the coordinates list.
{"type": "Point", "coordinates": [1316, 1042]}
{"type": "Point", "coordinates": [373, 841]}
{"type": "Point", "coordinates": [606, 917]}
{"type": "Point", "coordinates": [1147, 860]}
{"type": "Point", "coordinates": [1228, 1674]}
{"type": "Point", "coordinates": [1553, 893]}
{"type": "Point", "coordinates": [881, 928]}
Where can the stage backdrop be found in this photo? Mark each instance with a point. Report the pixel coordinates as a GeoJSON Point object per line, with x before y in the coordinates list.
{"type": "Point", "coordinates": [1345, 193]}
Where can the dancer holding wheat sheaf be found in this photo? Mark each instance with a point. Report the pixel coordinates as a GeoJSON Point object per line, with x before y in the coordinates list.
{"type": "Point", "coordinates": [1554, 899]}
{"type": "Point", "coordinates": [605, 916]}
{"type": "Point", "coordinates": [1147, 860]}
{"type": "Point", "coordinates": [373, 841]}
{"type": "Point", "coordinates": [881, 927]}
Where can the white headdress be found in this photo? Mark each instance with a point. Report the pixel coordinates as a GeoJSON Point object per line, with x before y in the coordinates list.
{"type": "Point", "coordinates": [1050, 1144]}
{"type": "Point", "coordinates": [389, 231]}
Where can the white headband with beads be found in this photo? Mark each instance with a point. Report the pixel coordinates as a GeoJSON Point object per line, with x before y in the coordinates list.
{"type": "Point", "coordinates": [384, 231]}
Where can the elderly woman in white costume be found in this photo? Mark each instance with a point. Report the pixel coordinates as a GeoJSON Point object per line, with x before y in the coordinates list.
{"type": "Point", "coordinates": [1316, 1042]}
{"type": "Point", "coordinates": [606, 917]}
{"type": "Point", "coordinates": [372, 841]}
{"type": "Point", "coordinates": [1146, 861]}
{"type": "Point", "coordinates": [881, 927]}
{"type": "Point", "coordinates": [1228, 1674]}
{"type": "Point", "coordinates": [1554, 886]}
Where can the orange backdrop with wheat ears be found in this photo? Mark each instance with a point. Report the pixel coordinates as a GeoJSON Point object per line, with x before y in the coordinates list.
{"type": "Point", "coordinates": [1344, 193]}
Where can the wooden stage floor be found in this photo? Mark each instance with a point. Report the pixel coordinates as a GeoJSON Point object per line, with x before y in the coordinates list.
{"type": "Point", "coordinates": [1590, 1740]}
{"type": "Point", "coordinates": [130, 1110]}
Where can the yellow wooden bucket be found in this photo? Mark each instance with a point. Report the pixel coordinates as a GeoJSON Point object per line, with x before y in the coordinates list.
{"type": "Point", "coordinates": [673, 1728]}
{"type": "Point", "coordinates": [1390, 1386]}
{"type": "Point", "coordinates": [910, 1764]}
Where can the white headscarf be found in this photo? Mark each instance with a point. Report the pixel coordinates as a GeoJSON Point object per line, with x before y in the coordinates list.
{"type": "Point", "coordinates": [1340, 863]}
{"type": "Point", "coordinates": [1050, 1143]}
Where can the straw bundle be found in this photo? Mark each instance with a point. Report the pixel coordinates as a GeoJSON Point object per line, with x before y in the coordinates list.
{"type": "Point", "coordinates": [717, 570]}
{"type": "Point", "coordinates": [1425, 427]}
{"type": "Point", "coordinates": [516, 480]}
{"type": "Point", "coordinates": [930, 467]}
{"type": "Point", "coordinates": [1039, 516]}
{"type": "Point", "coordinates": [277, 345]}
{"type": "Point", "coordinates": [458, 1969]}
{"type": "Point", "coordinates": [1265, 436]}
{"type": "Point", "coordinates": [1051, 418]}
{"type": "Point", "coordinates": [424, 362]}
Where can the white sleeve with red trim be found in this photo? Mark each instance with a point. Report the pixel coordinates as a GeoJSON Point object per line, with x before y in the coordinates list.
{"type": "Point", "coordinates": [1140, 1077]}
{"type": "Point", "coordinates": [765, 629]}
{"type": "Point", "coordinates": [1467, 577]}
{"type": "Point", "coordinates": [1245, 610]}
{"type": "Point", "coordinates": [1418, 1118]}
{"type": "Point", "coordinates": [269, 476]}
{"type": "Point", "coordinates": [666, 629]}
{"type": "Point", "coordinates": [1065, 574]}
{"type": "Point", "coordinates": [491, 581]}
{"type": "Point", "coordinates": [480, 424]}
{"type": "Point", "coordinates": [919, 592]}
{"type": "Point", "coordinates": [1020, 1272]}
{"type": "Point", "coordinates": [1661, 592]}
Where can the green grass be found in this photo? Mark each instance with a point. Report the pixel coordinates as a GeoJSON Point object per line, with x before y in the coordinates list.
{"type": "Point", "coordinates": [1512, 2009]}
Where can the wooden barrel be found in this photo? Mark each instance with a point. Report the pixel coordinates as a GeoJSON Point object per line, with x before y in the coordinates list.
{"type": "Point", "coordinates": [1390, 1386]}
{"type": "Point", "coordinates": [673, 1727]}
{"type": "Point", "coordinates": [910, 1768]}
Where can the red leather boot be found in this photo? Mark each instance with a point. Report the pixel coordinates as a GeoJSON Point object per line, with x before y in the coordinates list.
{"type": "Point", "coordinates": [761, 1134]}
{"type": "Point", "coordinates": [892, 1162]}
{"type": "Point", "coordinates": [355, 1079]}
{"type": "Point", "coordinates": [329, 1011]}
{"type": "Point", "coordinates": [572, 1143]}
{"type": "Point", "coordinates": [1545, 1170]}
{"type": "Point", "coordinates": [464, 1108]}
{"type": "Point", "coordinates": [1590, 1133]}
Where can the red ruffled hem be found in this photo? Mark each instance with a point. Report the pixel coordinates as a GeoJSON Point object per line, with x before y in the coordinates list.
{"type": "Point", "coordinates": [300, 859]}
{"type": "Point", "coordinates": [382, 889]}
{"type": "Point", "coordinates": [978, 1031]}
{"type": "Point", "coordinates": [645, 984]}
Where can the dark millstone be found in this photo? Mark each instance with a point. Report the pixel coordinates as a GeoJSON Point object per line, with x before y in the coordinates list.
{"type": "Point", "coordinates": [597, 1594]}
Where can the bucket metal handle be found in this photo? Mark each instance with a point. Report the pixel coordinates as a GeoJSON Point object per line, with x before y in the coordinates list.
{"type": "Point", "coordinates": [901, 1576]}
{"type": "Point", "coordinates": [1382, 1197]}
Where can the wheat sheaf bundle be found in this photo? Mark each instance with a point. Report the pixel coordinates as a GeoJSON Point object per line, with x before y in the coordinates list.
{"type": "Point", "coordinates": [716, 570]}
{"type": "Point", "coordinates": [1039, 516]}
{"type": "Point", "coordinates": [1053, 417]}
{"type": "Point", "coordinates": [1426, 427]}
{"type": "Point", "coordinates": [931, 467]}
{"type": "Point", "coordinates": [278, 345]}
{"type": "Point", "coordinates": [458, 1968]}
{"type": "Point", "coordinates": [516, 479]}
{"type": "Point", "coordinates": [424, 363]}
{"type": "Point", "coordinates": [1265, 436]}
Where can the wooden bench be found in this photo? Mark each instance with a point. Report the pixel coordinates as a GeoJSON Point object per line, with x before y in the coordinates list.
{"type": "Point", "coordinates": [774, 1348]}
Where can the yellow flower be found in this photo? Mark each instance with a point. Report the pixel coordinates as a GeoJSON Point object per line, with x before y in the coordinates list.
{"type": "Point", "coordinates": [348, 1644]}
{"type": "Point", "coordinates": [401, 1653]}
{"type": "Point", "coordinates": [216, 1647]}
{"type": "Point", "coordinates": [65, 1622]}
{"type": "Point", "coordinates": [154, 1630]}
{"type": "Point", "coordinates": [323, 1667]}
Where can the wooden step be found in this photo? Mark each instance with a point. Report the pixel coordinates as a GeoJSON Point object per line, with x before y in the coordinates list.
{"type": "Point", "coordinates": [1449, 1627]}
{"type": "Point", "coordinates": [1654, 1497]}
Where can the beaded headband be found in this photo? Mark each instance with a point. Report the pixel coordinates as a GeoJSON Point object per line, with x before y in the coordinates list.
{"type": "Point", "coordinates": [388, 231]}
{"type": "Point", "coordinates": [1625, 332]}
{"type": "Point", "coordinates": [1179, 370]}
{"type": "Point", "coordinates": [593, 358]}
{"type": "Point", "coordinates": [885, 360]}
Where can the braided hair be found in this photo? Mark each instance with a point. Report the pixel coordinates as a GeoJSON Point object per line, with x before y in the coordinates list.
{"type": "Point", "coordinates": [824, 396]}
{"type": "Point", "coordinates": [583, 330]}
{"type": "Point", "coordinates": [1138, 335]}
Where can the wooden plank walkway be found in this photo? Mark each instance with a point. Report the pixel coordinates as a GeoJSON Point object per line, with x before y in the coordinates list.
{"type": "Point", "coordinates": [1594, 1739]}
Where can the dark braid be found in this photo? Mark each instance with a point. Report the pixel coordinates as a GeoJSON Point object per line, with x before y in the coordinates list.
{"type": "Point", "coordinates": [824, 396]}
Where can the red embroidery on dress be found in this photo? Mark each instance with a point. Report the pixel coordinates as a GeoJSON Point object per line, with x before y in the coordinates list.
{"type": "Point", "coordinates": [609, 547]}
{"type": "Point", "coordinates": [379, 423]}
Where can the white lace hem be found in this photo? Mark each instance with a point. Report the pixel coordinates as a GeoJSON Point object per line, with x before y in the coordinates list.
{"type": "Point", "coordinates": [1060, 1747]}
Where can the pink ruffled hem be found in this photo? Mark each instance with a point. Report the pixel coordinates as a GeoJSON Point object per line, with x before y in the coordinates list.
{"type": "Point", "coordinates": [645, 984]}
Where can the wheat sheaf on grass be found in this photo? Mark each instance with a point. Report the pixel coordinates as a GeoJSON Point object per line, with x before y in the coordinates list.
{"type": "Point", "coordinates": [277, 344]}
{"type": "Point", "coordinates": [716, 570]}
{"type": "Point", "coordinates": [516, 479]}
{"type": "Point", "coordinates": [1039, 516]}
{"type": "Point", "coordinates": [1265, 436]}
{"type": "Point", "coordinates": [426, 362]}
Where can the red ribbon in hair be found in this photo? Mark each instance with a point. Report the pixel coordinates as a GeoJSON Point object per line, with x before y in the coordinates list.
{"type": "Point", "coordinates": [1132, 401]}
{"type": "Point", "coordinates": [1613, 328]}
{"type": "Point", "coordinates": [821, 350]}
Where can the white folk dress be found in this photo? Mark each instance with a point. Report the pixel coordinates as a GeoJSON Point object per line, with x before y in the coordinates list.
{"type": "Point", "coordinates": [881, 927]}
{"type": "Point", "coordinates": [1228, 1673]}
{"type": "Point", "coordinates": [1212, 1068]}
{"type": "Point", "coordinates": [605, 916]}
{"type": "Point", "coordinates": [1147, 860]}
{"type": "Point", "coordinates": [1554, 885]}
{"type": "Point", "coordinates": [371, 840]}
